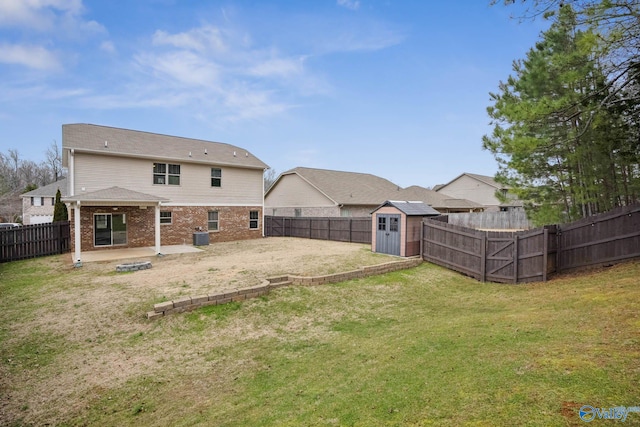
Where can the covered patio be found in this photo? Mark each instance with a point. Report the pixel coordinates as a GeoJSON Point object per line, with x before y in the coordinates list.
{"type": "Point", "coordinates": [114, 219]}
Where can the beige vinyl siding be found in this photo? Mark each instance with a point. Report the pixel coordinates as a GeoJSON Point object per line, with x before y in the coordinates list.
{"type": "Point", "coordinates": [293, 191]}
{"type": "Point", "coordinates": [239, 186]}
{"type": "Point", "coordinates": [468, 188]}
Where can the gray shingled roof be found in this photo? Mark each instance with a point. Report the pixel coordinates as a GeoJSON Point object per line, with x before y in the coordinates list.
{"type": "Point", "coordinates": [411, 208]}
{"type": "Point", "coordinates": [435, 199]}
{"type": "Point", "coordinates": [348, 188]}
{"type": "Point", "coordinates": [114, 195]}
{"type": "Point", "coordinates": [482, 178]}
{"type": "Point", "coordinates": [49, 190]}
{"type": "Point", "coordinates": [132, 143]}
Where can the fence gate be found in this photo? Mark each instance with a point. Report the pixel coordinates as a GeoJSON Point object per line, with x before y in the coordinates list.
{"type": "Point", "coordinates": [388, 234]}
{"type": "Point", "coordinates": [500, 265]}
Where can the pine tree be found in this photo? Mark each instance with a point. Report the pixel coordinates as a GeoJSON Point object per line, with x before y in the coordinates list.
{"type": "Point", "coordinates": [555, 144]}
{"type": "Point", "coordinates": [60, 209]}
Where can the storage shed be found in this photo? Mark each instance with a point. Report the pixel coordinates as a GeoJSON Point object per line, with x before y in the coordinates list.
{"type": "Point", "coordinates": [396, 227]}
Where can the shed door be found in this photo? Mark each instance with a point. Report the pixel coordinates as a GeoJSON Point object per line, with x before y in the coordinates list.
{"type": "Point", "coordinates": [388, 234]}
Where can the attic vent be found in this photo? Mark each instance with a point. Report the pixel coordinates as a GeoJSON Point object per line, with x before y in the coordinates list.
{"type": "Point", "coordinates": [106, 144]}
{"type": "Point", "coordinates": [234, 154]}
{"type": "Point", "coordinates": [205, 151]}
{"type": "Point", "coordinates": [246, 154]}
{"type": "Point", "coordinates": [189, 153]}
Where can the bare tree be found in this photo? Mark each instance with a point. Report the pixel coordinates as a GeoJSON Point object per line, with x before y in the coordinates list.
{"type": "Point", "coordinates": [54, 160]}
{"type": "Point", "coordinates": [270, 176]}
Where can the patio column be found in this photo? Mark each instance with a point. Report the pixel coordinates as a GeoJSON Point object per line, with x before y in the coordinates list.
{"type": "Point", "coordinates": [157, 228]}
{"type": "Point", "coordinates": [77, 261]}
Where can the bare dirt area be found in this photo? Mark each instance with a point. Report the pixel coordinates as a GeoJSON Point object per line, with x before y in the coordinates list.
{"type": "Point", "coordinates": [98, 316]}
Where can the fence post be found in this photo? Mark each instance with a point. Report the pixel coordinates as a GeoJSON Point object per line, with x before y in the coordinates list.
{"type": "Point", "coordinates": [545, 253]}
{"type": "Point", "coordinates": [483, 256]}
{"type": "Point", "coordinates": [515, 258]}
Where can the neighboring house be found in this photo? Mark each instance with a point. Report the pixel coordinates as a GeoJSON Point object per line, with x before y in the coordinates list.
{"type": "Point", "coordinates": [308, 192]}
{"type": "Point", "coordinates": [440, 202]}
{"type": "Point", "coordinates": [129, 188]}
{"type": "Point", "coordinates": [38, 204]}
{"type": "Point", "coordinates": [480, 189]}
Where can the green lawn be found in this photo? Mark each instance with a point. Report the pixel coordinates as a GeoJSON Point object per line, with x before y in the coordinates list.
{"type": "Point", "coordinates": [419, 347]}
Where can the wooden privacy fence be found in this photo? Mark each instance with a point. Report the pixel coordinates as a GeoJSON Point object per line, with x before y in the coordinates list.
{"type": "Point", "coordinates": [489, 255]}
{"type": "Point", "coordinates": [532, 255]}
{"type": "Point", "coordinates": [355, 230]}
{"type": "Point", "coordinates": [600, 240]}
{"type": "Point", "coordinates": [31, 241]}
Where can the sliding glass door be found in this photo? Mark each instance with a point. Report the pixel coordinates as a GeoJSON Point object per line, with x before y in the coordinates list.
{"type": "Point", "coordinates": [110, 229]}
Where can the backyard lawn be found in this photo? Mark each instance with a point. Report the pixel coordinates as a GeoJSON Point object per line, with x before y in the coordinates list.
{"type": "Point", "coordinates": [424, 346]}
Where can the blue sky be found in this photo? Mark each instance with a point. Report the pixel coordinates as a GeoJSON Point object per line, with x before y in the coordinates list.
{"type": "Point", "coordinates": [398, 89]}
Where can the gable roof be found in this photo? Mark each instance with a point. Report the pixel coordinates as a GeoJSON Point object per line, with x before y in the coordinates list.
{"type": "Point", "coordinates": [345, 188]}
{"type": "Point", "coordinates": [435, 199]}
{"type": "Point", "coordinates": [49, 190]}
{"type": "Point", "coordinates": [107, 140]}
{"type": "Point", "coordinates": [482, 178]}
{"type": "Point", "coordinates": [114, 195]}
{"type": "Point", "coordinates": [411, 208]}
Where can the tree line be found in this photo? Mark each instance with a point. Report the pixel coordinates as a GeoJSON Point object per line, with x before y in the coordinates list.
{"type": "Point", "coordinates": [18, 175]}
{"type": "Point", "coordinates": [566, 123]}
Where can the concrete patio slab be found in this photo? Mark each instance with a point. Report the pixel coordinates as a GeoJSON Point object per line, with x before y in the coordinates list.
{"type": "Point", "coordinates": [120, 254]}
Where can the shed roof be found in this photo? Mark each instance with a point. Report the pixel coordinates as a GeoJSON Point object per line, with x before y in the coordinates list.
{"type": "Point", "coordinates": [49, 190]}
{"type": "Point", "coordinates": [346, 188]}
{"type": "Point", "coordinates": [107, 140]}
{"type": "Point", "coordinates": [411, 208]}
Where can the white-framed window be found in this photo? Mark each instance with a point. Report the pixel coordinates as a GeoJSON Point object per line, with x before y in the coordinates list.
{"type": "Point", "coordinates": [254, 219]}
{"type": "Point", "coordinates": [37, 201]}
{"type": "Point", "coordinates": [164, 173]}
{"type": "Point", "coordinates": [166, 217]}
{"type": "Point", "coordinates": [213, 221]}
{"type": "Point", "coordinates": [216, 177]}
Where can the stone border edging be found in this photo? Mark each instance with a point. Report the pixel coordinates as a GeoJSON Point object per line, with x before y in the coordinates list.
{"type": "Point", "coordinates": [184, 304]}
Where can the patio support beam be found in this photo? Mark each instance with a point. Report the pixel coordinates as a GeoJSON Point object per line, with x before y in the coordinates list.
{"type": "Point", "coordinates": [77, 260]}
{"type": "Point", "coordinates": [157, 228]}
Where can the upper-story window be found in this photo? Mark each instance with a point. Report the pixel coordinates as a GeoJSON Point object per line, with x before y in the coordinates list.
{"type": "Point", "coordinates": [164, 173]}
{"type": "Point", "coordinates": [216, 177]}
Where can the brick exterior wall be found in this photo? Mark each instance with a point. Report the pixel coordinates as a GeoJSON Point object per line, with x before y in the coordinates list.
{"type": "Point", "coordinates": [233, 225]}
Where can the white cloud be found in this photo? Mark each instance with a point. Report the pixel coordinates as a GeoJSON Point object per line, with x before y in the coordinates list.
{"type": "Point", "coordinates": [40, 15]}
{"type": "Point", "coordinates": [284, 67]}
{"type": "Point", "coordinates": [108, 46]}
{"type": "Point", "coordinates": [181, 67]}
{"type": "Point", "coordinates": [35, 57]}
{"type": "Point", "coordinates": [201, 39]}
{"type": "Point", "coordinates": [349, 4]}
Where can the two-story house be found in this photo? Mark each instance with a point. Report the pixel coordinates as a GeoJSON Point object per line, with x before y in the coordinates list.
{"type": "Point", "coordinates": [128, 188]}
{"type": "Point", "coordinates": [38, 205]}
{"type": "Point", "coordinates": [481, 189]}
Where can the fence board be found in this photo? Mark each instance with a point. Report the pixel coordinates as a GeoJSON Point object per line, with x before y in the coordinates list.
{"type": "Point", "coordinates": [600, 240]}
{"type": "Point", "coordinates": [31, 241]}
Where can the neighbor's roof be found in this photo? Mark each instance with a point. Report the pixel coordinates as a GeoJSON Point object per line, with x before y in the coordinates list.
{"type": "Point", "coordinates": [411, 208]}
{"type": "Point", "coordinates": [114, 195]}
{"type": "Point", "coordinates": [106, 140]}
{"type": "Point", "coordinates": [435, 199]}
{"type": "Point", "coordinates": [346, 188]}
{"type": "Point", "coordinates": [482, 178]}
{"type": "Point", "coordinates": [49, 190]}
